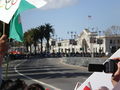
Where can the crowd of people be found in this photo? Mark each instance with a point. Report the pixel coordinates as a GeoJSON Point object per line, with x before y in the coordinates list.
{"type": "Point", "coordinates": [19, 85]}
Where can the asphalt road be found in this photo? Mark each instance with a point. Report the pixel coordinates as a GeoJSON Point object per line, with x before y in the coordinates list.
{"type": "Point", "coordinates": [50, 72]}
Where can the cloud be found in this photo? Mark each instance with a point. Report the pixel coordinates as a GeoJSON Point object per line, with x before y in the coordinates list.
{"type": "Point", "coordinates": [54, 4]}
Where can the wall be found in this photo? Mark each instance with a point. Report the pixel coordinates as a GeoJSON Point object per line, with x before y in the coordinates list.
{"type": "Point", "coordinates": [82, 61]}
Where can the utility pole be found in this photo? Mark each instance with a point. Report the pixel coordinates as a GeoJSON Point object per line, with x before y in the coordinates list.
{"type": "Point", "coordinates": [99, 43]}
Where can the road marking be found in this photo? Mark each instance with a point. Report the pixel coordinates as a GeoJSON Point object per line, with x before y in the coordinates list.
{"type": "Point", "coordinates": [15, 68]}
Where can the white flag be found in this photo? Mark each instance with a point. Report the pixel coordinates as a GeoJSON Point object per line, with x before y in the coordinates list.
{"type": "Point", "coordinates": [37, 3]}
{"type": "Point", "coordinates": [7, 9]}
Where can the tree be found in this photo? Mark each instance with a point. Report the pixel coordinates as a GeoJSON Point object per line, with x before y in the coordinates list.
{"type": "Point", "coordinates": [28, 40]}
{"type": "Point", "coordinates": [41, 35]}
{"type": "Point", "coordinates": [47, 34]}
{"type": "Point", "coordinates": [35, 37]}
{"type": "Point", "coordinates": [113, 30]}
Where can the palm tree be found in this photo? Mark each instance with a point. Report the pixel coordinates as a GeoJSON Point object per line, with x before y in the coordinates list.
{"type": "Point", "coordinates": [35, 37]}
{"type": "Point", "coordinates": [28, 40]}
{"type": "Point", "coordinates": [41, 35]}
{"type": "Point", "coordinates": [47, 33]}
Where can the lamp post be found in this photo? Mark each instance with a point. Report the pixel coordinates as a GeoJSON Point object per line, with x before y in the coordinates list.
{"type": "Point", "coordinates": [59, 45]}
{"type": "Point", "coordinates": [99, 43]}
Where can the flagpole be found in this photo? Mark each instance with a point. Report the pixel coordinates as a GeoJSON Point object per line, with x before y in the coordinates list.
{"type": "Point", "coordinates": [7, 57]}
{"type": "Point", "coordinates": [3, 28]}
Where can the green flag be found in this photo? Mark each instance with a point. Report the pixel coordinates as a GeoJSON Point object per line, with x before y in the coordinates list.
{"type": "Point", "coordinates": [16, 31]}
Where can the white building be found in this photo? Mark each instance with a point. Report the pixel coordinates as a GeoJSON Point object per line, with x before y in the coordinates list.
{"type": "Point", "coordinates": [87, 42]}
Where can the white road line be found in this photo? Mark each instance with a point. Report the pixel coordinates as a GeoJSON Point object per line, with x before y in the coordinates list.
{"type": "Point", "coordinates": [15, 68]}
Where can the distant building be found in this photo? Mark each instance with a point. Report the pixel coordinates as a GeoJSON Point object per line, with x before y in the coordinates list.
{"type": "Point", "coordinates": [87, 42]}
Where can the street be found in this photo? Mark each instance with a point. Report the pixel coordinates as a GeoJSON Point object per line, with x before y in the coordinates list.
{"type": "Point", "coordinates": [49, 72]}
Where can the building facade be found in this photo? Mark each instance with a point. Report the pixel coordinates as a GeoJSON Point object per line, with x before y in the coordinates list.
{"type": "Point", "coordinates": [87, 42]}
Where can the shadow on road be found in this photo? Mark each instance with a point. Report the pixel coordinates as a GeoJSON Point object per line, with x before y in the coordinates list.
{"type": "Point", "coordinates": [46, 72]}
{"type": "Point", "coordinates": [40, 71]}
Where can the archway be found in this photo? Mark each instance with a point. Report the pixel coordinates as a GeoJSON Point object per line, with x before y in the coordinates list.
{"type": "Point", "coordinates": [84, 45]}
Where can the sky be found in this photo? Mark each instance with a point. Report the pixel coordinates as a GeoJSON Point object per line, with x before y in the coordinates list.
{"type": "Point", "coordinates": [72, 16]}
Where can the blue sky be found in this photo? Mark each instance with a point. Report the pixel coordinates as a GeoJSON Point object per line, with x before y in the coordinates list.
{"type": "Point", "coordinates": [72, 15]}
